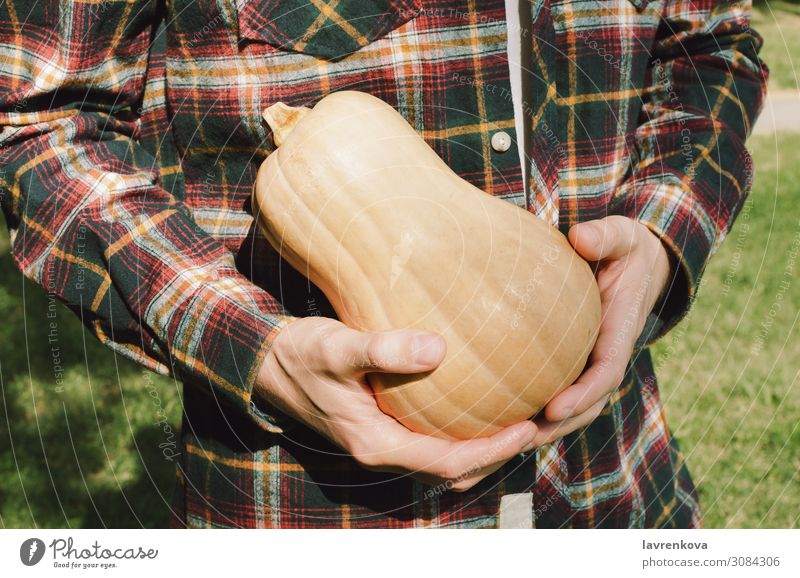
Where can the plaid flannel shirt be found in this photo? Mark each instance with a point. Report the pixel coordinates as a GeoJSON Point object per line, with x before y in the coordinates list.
{"type": "Point", "coordinates": [129, 152]}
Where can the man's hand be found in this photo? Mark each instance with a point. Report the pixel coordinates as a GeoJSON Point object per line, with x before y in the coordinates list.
{"type": "Point", "coordinates": [632, 269]}
{"type": "Point", "coordinates": [315, 372]}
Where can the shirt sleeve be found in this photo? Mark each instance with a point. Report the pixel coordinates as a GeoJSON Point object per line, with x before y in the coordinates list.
{"type": "Point", "coordinates": [89, 220]}
{"type": "Point", "coordinates": [705, 87]}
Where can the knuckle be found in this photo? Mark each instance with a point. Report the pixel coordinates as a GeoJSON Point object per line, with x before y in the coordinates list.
{"type": "Point", "coordinates": [617, 379]}
{"type": "Point", "coordinates": [554, 435]}
{"type": "Point", "coordinates": [448, 473]}
{"type": "Point", "coordinates": [453, 472]}
{"type": "Point", "coordinates": [609, 229]}
{"type": "Point", "coordinates": [623, 230]}
{"type": "Point", "coordinates": [324, 346]}
{"type": "Point", "coordinates": [595, 410]}
{"type": "Point", "coordinates": [364, 453]}
{"type": "Point", "coordinates": [621, 223]}
{"type": "Point", "coordinates": [329, 354]}
{"type": "Point", "coordinates": [463, 486]}
{"type": "Point", "coordinates": [367, 459]}
{"type": "Point", "coordinates": [374, 352]}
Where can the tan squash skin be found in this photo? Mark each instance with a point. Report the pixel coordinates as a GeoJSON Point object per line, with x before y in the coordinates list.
{"type": "Point", "coordinates": [356, 201]}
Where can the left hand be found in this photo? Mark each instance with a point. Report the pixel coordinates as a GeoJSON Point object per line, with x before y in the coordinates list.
{"type": "Point", "coordinates": [632, 269]}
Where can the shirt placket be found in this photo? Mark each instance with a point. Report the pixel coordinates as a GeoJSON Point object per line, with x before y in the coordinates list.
{"type": "Point", "coordinates": [547, 141]}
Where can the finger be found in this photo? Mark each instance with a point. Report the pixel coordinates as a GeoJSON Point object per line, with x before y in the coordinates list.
{"type": "Point", "coordinates": [464, 484]}
{"type": "Point", "coordinates": [469, 482]}
{"type": "Point", "coordinates": [551, 431]}
{"type": "Point", "coordinates": [596, 384]}
{"type": "Point", "coordinates": [460, 484]}
{"type": "Point", "coordinates": [473, 476]}
{"type": "Point", "coordinates": [402, 351]}
{"type": "Point", "coordinates": [608, 363]}
{"type": "Point", "coordinates": [453, 460]}
{"type": "Point", "coordinates": [609, 238]}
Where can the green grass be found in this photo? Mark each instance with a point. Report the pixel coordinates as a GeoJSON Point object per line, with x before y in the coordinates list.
{"type": "Point", "coordinates": [88, 456]}
{"type": "Point", "coordinates": [779, 24]}
{"type": "Point", "coordinates": [733, 401]}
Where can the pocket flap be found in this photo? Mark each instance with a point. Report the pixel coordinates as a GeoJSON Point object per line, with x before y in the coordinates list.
{"type": "Point", "coordinates": [329, 29]}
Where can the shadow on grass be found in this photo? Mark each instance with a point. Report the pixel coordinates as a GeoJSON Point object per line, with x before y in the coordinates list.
{"type": "Point", "coordinates": [79, 442]}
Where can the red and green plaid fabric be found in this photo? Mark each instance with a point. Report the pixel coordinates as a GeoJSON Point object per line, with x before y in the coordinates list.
{"type": "Point", "coordinates": [128, 153]}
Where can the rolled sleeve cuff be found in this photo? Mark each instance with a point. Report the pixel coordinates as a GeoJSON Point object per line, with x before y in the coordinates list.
{"type": "Point", "coordinates": [669, 211]}
{"type": "Point", "coordinates": [264, 414]}
{"type": "Point", "coordinates": [221, 338]}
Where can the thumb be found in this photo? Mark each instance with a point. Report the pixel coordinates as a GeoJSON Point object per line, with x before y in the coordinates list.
{"type": "Point", "coordinates": [609, 238]}
{"type": "Point", "coordinates": [401, 351]}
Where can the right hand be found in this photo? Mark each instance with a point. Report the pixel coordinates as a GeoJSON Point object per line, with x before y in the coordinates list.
{"type": "Point", "coordinates": [315, 372]}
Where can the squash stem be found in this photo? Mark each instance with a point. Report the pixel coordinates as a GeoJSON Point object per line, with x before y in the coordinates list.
{"type": "Point", "coordinates": [282, 118]}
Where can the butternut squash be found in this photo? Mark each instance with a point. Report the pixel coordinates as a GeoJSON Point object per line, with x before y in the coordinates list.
{"type": "Point", "coordinates": [356, 201]}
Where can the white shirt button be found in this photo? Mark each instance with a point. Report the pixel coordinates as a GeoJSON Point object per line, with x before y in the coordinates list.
{"type": "Point", "coordinates": [501, 141]}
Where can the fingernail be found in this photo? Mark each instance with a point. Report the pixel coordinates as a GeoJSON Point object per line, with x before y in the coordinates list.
{"type": "Point", "coordinates": [591, 234]}
{"type": "Point", "coordinates": [427, 348]}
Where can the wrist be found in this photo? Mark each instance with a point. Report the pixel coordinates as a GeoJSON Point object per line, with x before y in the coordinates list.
{"type": "Point", "coordinates": [264, 404]}
{"type": "Point", "coordinates": [666, 264]}
{"type": "Point", "coordinates": [663, 268]}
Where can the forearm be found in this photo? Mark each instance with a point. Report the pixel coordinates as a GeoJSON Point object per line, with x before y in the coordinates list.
{"type": "Point", "coordinates": [692, 171]}
{"type": "Point", "coordinates": [90, 222]}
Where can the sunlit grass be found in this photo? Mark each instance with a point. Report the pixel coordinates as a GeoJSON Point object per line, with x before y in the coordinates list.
{"type": "Point", "coordinates": [86, 455]}
{"type": "Point", "coordinates": [732, 399]}
{"type": "Point", "coordinates": [779, 24]}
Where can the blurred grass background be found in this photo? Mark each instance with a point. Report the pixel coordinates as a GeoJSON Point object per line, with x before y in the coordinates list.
{"type": "Point", "coordinates": [730, 373]}
{"type": "Point", "coordinates": [89, 456]}
{"type": "Point", "coordinates": [778, 22]}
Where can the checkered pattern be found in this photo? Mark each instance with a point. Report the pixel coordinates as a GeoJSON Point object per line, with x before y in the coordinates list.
{"type": "Point", "coordinates": [127, 167]}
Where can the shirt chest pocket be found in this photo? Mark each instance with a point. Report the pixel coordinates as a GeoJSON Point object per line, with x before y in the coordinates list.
{"type": "Point", "coordinates": [329, 29]}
